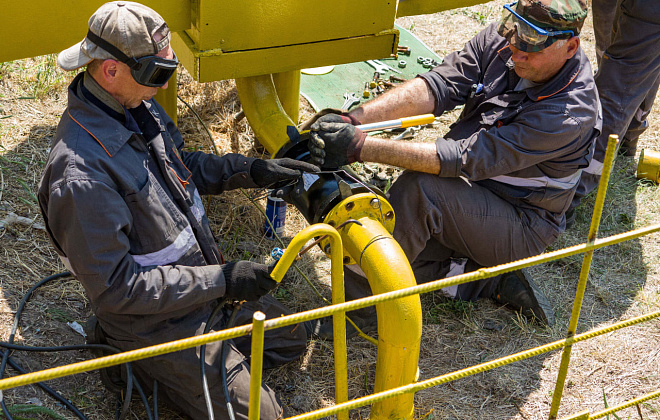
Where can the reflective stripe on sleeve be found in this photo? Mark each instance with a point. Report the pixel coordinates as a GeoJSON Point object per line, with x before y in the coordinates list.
{"type": "Point", "coordinates": [171, 253]}
{"type": "Point", "coordinates": [565, 183]}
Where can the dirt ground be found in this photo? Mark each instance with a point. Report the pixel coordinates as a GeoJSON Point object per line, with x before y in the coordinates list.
{"type": "Point", "coordinates": [624, 280]}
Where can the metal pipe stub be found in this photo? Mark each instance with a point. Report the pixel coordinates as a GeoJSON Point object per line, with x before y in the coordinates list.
{"type": "Point", "coordinates": [648, 166]}
{"type": "Point", "coordinates": [356, 207]}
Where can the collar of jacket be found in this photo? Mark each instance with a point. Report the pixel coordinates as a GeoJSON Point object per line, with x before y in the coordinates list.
{"type": "Point", "coordinates": [109, 133]}
{"type": "Point", "coordinates": [558, 82]}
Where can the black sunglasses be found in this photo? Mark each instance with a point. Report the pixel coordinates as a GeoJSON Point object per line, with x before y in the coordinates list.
{"type": "Point", "coordinates": [151, 70]}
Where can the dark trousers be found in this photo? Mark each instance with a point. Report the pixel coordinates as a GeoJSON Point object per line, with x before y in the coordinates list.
{"type": "Point", "coordinates": [440, 219]}
{"type": "Point", "coordinates": [627, 34]}
{"type": "Point", "coordinates": [179, 373]}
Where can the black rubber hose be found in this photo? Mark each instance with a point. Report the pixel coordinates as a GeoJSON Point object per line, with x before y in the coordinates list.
{"type": "Point", "coordinates": [17, 317]}
{"type": "Point", "coordinates": [129, 371]}
{"type": "Point", "coordinates": [143, 396]}
{"type": "Point", "coordinates": [155, 397]}
{"type": "Point", "coordinates": [49, 391]}
{"type": "Point", "coordinates": [223, 359]}
{"type": "Point", "coordinates": [202, 360]}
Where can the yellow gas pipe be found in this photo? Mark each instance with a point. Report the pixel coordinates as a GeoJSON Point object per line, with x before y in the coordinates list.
{"type": "Point", "coordinates": [370, 245]}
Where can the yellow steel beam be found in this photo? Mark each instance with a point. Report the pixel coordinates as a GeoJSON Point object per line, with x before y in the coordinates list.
{"type": "Point", "coordinates": [216, 64]}
{"type": "Point", "coordinates": [423, 7]}
{"type": "Point", "coordinates": [257, 24]}
{"type": "Point", "coordinates": [38, 27]}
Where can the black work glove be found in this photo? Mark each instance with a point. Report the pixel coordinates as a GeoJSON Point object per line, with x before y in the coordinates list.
{"type": "Point", "coordinates": [246, 280]}
{"type": "Point", "coordinates": [267, 172]}
{"type": "Point", "coordinates": [335, 142]}
{"type": "Point", "coordinates": [325, 111]}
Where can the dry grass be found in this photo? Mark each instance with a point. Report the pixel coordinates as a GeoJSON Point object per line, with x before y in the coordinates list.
{"type": "Point", "coordinates": [624, 281]}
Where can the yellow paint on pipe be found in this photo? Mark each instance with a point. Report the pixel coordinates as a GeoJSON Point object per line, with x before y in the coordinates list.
{"type": "Point", "coordinates": [287, 85]}
{"type": "Point", "coordinates": [264, 111]}
{"type": "Point", "coordinates": [399, 322]}
{"type": "Point", "coordinates": [338, 296]}
{"type": "Point", "coordinates": [167, 98]}
{"type": "Point", "coordinates": [256, 365]}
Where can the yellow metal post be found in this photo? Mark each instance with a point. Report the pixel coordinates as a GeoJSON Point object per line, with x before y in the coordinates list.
{"type": "Point", "coordinates": [167, 98]}
{"type": "Point", "coordinates": [287, 85]}
{"type": "Point", "coordinates": [256, 364]}
{"type": "Point", "coordinates": [264, 111]}
{"type": "Point", "coordinates": [337, 276]}
{"type": "Point", "coordinates": [584, 273]}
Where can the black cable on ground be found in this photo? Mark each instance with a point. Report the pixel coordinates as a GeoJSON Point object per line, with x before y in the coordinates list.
{"type": "Point", "coordinates": [202, 360]}
{"type": "Point", "coordinates": [143, 396]}
{"type": "Point", "coordinates": [120, 415]}
{"type": "Point", "coordinates": [223, 360]}
{"type": "Point", "coordinates": [49, 391]}
{"type": "Point", "coordinates": [9, 345]}
{"type": "Point", "coordinates": [17, 317]}
{"type": "Point", "coordinates": [155, 398]}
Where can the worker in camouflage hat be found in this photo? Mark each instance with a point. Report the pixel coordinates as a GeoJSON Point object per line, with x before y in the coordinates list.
{"type": "Point", "coordinates": [495, 187]}
{"type": "Point", "coordinates": [533, 25]}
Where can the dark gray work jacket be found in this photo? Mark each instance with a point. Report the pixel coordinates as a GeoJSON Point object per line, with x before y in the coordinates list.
{"type": "Point", "coordinates": [528, 146]}
{"type": "Point", "coordinates": [124, 213]}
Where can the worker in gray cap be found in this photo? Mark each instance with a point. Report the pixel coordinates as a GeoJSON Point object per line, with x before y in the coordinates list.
{"type": "Point", "coordinates": [495, 187]}
{"type": "Point", "coordinates": [121, 197]}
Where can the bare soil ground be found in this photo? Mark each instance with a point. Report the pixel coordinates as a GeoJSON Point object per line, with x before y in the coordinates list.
{"type": "Point", "coordinates": [624, 280]}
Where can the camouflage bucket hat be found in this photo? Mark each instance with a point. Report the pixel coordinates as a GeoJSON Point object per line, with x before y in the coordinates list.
{"type": "Point", "coordinates": [533, 25]}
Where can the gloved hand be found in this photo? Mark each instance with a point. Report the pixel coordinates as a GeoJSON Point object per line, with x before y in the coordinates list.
{"type": "Point", "coordinates": [267, 172]}
{"type": "Point", "coordinates": [325, 111]}
{"type": "Point", "coordinates": [335, 142]}
{"type": "Point", "coordinates": [246, 280]}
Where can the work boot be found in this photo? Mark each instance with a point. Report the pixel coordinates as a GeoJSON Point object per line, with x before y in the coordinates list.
{"type": "Point", "coordinates": [570, 218]}
{"type": "Point", "coordinates": [110, 376]}
{"type": "Point", "coordinates": [628, 147]}
{"type": "Point", "coordinates": [367, 325]}
{"type": "Point", "coordinates": [517, 290]}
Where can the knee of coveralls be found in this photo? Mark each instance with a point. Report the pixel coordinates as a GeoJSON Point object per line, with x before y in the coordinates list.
{"type": "Point", "coordinates": [465, 220]}
{"type": "Point", "coordinates": [179, 382]}
{"type": "Point", "coordinates": [281, 345]}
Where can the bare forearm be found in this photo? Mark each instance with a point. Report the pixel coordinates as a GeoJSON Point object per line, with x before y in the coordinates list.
{"type": "Point", "coordinates": [420, 157]}
{"type": "Point", "coordinates": [411, 98]}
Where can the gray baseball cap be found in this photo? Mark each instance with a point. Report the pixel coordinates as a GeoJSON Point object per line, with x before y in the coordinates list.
{"type": "Point", "coordinates": [135, 29]}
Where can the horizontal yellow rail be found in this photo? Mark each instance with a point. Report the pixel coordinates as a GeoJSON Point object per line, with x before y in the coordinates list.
{"type": "Point", "coordinates": [459, 374]}
{"type": "Point", "coordinates": [584, 415]}
{"type": "Point", "coordinates": [186, 343]}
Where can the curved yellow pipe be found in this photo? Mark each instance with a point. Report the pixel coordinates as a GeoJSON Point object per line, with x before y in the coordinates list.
{"type": "Point", "coordinates": [399, 322]}
{"type": "Point", "coordinates": [371, 245]}
{"type": "Point", "coordinates": [287, 85]}
{"type": "Point", "coordinates": [261, 104]}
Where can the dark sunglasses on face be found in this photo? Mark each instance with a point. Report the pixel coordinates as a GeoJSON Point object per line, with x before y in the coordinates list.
{"type": "Point", "coordinates": [151, 70]}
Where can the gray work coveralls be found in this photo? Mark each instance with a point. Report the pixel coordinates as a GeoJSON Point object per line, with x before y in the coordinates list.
{"type": "Point", "coordinates": [509, 165]}
{"type": "Point", "coordinates": [628, 53]}
{"type": "Point", "coordinates": [121, 201]}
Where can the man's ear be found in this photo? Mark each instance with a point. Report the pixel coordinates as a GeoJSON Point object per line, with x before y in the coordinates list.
{"type": "Point", "coordinates": [572, 45]}
{"type": "Point", "coordinates": [109, 70]}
